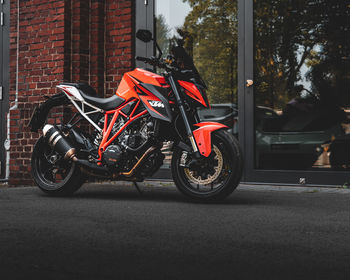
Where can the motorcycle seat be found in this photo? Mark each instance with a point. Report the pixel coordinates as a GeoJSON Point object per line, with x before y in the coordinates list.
{"type": "Point", "coordinates": [90, 95]}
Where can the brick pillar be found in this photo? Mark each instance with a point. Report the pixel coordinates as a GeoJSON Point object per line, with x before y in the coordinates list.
{"type": "Point", "coordinates": [119, 42]}
{"type": "Point", "coordinates": [80, 41]}
{"type": "Point", "coordinates": [97, 46]}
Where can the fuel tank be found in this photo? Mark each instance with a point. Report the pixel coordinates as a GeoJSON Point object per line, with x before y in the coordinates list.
{"type": "Point", "coordinates": [127, 89]}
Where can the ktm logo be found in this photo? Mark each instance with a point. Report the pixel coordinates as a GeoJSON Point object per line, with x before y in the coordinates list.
{"type": "Point", "coordinates": [156, 104]}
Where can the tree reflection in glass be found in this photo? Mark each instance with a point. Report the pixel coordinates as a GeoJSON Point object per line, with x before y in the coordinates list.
{"type": "Point", "coordinates": [302, 83]}
{"type": "Point", "coordinates": [209, 33]}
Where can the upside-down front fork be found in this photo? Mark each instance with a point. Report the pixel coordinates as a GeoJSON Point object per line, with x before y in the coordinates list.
{"type": "Point", "coordinates": [200, 138]}
{"type": "Point", "coordinates": [183, 113]}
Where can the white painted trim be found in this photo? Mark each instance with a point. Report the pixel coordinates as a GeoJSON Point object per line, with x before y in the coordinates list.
{"type": "Point", "coordinates": [72, 90]}
{"type": "Point", "coordinates": [82, 112]}
{"type": "Point", "coordinates": [76, 97]}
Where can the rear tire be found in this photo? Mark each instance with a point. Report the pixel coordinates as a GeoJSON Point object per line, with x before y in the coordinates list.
{"type": "Point", "coordinates": [226, 154]}
{"type": "Point", "coordinates": [60, 178]}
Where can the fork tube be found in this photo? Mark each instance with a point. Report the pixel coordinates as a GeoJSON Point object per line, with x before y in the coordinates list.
{"type": "Point", "coordinates": [183, 113]}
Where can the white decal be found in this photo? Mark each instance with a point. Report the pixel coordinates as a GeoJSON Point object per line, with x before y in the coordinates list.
{"type": "Point", "coordinates": [156, 104]}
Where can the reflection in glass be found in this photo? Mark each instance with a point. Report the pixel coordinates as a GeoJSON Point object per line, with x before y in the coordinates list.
{"type": "Point", "coordinates": [302, 84]}
{"type": "Point", "coordinates": [208, 31]}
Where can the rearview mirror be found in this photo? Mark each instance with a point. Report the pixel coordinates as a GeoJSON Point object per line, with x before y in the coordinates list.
{"type": "Point", "coordinates": [144, 35]}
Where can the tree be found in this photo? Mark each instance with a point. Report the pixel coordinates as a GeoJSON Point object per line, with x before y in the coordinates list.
{"type": "Point", "coordinates": [330, 66]}
{"type": "Point", "coordinates": [292, 35]}
{"type": "Point", "coordinates": [211, 37]}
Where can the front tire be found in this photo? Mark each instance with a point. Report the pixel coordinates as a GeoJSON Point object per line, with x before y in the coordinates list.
{"type": "Point", "coordinates": [212, 178]}
{"type": "Point", "coordinates": [52, 174]}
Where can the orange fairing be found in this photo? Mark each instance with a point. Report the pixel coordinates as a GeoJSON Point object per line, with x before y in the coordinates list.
{"type": "Point", "coordinates": [192, 91]}
{"type": "Point", "coordinates": [126, 87]}
{"type": "Point", "coordinates": [202, 135]}
{"type": "Point", "coordinates": [147, 77]}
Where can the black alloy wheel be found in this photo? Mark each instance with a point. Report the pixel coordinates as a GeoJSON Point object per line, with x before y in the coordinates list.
{"type": "Point", "coordinates": [211, 178]}
{"type": "Point", "coordinates": [52, 174]}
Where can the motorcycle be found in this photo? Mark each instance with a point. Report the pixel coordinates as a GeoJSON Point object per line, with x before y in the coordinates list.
{"type": "Point", "coordinates": [130, 128]}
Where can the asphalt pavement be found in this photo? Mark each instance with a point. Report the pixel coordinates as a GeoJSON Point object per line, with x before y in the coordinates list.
{"type": "Point", "coordinates": [110, 231]}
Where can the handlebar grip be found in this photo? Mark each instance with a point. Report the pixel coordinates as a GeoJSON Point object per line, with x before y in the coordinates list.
{"type": "Point", "coordinates": [141, 58]}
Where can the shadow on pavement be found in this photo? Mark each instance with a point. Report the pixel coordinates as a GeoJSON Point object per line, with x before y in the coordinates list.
{"type": "Point", "coordinates": [159, 194]}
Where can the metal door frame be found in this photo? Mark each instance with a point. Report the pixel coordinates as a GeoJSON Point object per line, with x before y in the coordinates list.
{"type": "Point", "coordinates": [144, 19]}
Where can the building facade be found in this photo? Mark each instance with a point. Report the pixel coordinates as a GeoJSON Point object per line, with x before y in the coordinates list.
{"type": "Point", "coordinates": [292, 123]}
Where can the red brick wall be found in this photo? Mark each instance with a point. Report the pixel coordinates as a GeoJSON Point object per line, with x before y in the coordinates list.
{"type": "Point", "coordinates": [101, 48]}
{"type": "Point", "coordinates": [119, 41]}
{"type": "Point", "coordinates": [97, 46]}
{"type": "Point", "coordinates": [62, 40]}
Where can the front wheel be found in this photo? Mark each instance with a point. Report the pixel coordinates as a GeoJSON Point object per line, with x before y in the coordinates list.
{"type": "Point", "coordinates": [54, 175]}
{"type": "Point", "coordinates": [213, 177]}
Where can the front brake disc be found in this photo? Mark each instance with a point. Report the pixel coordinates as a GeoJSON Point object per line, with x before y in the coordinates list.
{"type": "Point", "coordinates": [211, 177]}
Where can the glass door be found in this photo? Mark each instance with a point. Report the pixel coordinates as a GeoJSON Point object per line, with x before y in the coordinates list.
{"type": "Point", "coordinates": [297, 112]}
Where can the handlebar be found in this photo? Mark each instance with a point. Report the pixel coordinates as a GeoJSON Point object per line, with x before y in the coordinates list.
{"type": "Point", "coordinates": [161, 64]}
{"type": "Point", "coordinates": [154, 61]}
{"type": "Point", "coordinates": [141, 58]}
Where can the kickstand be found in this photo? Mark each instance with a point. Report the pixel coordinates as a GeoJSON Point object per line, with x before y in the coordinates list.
{"type": "Point", "coordinates": [137, 187]}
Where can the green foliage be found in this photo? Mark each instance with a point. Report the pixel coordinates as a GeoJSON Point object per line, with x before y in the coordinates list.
{"type": "Point", "coordinates": [331, 74]}
{"type": "Point", "coordinates": [210, 35]}
{"type": "Point", "coordinates": [290, 35]}
{"type": "Point", "coordinates": [302, 48]}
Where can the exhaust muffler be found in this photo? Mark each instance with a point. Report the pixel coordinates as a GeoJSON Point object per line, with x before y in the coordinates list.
{"type": "Point", "coordinates": [63, 146]}
{"type": "Point", "coordinates": [59, 143]}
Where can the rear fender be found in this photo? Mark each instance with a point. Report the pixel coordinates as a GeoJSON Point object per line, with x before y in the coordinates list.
{"type": "Point", "coordinates": [40, 113]}
{"type": "Point", "coordinates": [202, 136]}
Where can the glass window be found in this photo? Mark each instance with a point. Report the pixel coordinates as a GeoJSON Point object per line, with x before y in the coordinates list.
{"type": "Point", "coordinates": [302, 84]}
{"type": "Point", "coordinates": [208, 31]}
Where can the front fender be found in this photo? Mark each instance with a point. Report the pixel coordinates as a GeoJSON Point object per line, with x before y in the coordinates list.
{"type": "Point", "coordinates": [202, 136]}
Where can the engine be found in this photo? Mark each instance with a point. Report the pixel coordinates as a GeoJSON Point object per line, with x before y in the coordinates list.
{"type": "Point", "coordinates": [137, 135]}
{"type": "Point", "coordinates": [112, 155]}
{"type": "Point", "coordinates": [130, 145]}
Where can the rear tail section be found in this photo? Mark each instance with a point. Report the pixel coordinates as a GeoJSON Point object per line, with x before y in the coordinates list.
{"type": "Point", "coordinates": [41, 112]}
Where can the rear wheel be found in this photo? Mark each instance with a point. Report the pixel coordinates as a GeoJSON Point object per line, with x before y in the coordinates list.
{"type": "Point", "coordinates": [53, 174]}
{"type": "Point", "coordinates": [210, 178]}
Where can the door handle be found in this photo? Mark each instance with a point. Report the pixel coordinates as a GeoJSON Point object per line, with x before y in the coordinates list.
{"type": "Point", "coordinates": [249, 83]}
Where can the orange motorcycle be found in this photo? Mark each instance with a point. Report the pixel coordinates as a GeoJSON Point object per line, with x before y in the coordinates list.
{"type": "Point", "coordinates": [130, 128]}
